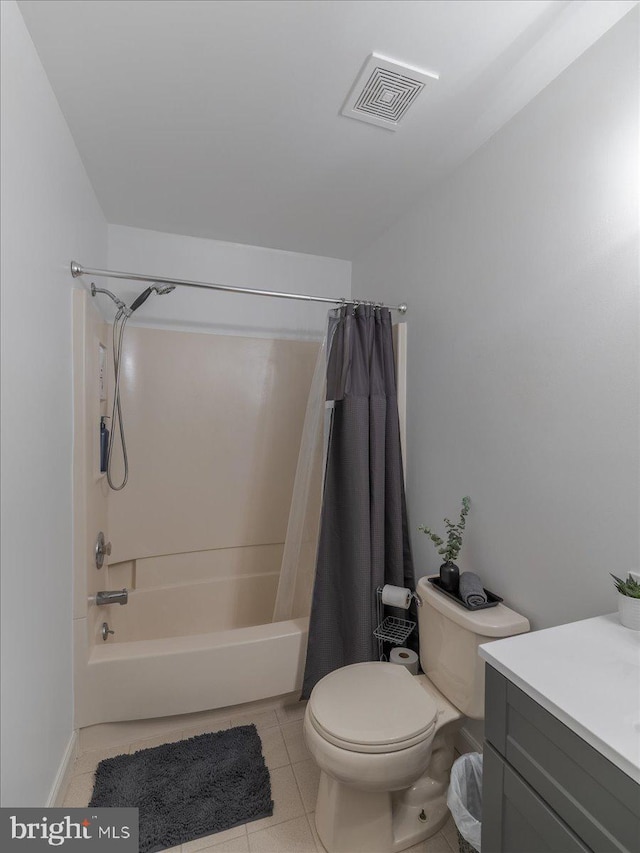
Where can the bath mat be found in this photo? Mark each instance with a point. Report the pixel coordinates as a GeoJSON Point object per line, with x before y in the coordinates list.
{"type": "Point", "coordinates": [191, 788]}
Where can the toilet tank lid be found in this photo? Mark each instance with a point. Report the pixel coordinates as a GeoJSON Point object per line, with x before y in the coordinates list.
{"type": "Point", "coordinates": [498, 621]}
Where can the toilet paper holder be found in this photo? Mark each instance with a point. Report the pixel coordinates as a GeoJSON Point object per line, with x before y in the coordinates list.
{"type": "Point", "coordinates": [392, 629]}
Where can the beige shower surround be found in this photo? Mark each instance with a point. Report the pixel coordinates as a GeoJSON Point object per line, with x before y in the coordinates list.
{"type": "Point", "coordinates": [213, 426]}
{"type": "Point", "coordinates": [194, 608]}
{"type": "Point", "coordinates": [170, 569]}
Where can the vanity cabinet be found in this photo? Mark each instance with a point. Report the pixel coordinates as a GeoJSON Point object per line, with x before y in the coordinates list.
{"type": "Point", "coordinates": [547, 789]}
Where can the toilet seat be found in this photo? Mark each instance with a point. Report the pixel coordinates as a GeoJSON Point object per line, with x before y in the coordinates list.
{"type": "Point", "coordinates": [372, 708]}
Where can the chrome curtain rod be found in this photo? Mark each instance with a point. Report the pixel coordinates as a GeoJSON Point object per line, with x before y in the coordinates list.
{"type": "Point", "coordinates": [77, 270]}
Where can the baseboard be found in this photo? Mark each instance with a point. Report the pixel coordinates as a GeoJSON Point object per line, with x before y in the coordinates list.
{"type": "Point", "coordinates": [466, 742]}
{"type": "Point", "coordinates": [63, 775]}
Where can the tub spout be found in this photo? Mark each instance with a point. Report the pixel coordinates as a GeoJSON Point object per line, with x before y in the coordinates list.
{"type": "Point", "coordinates": [114, 596]}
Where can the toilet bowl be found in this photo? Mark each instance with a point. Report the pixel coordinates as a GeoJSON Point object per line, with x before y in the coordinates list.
{"type": "Point", "coordinates": [387, 747]}
{"type": "Point", "coordinates": [384, 739]}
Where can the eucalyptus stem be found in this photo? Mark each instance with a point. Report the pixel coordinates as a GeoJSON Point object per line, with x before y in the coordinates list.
{"type": "Point", "coordinates": [450, 549]}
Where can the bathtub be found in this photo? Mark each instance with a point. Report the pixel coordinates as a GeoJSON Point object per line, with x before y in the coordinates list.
{"type": "Point", "coordinates": [190, 647]}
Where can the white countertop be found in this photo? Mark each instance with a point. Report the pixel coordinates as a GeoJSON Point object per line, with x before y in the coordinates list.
{"type": "Point", "coordinates": [587, 674]}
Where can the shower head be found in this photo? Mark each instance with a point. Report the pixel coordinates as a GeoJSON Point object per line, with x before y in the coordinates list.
{"type": "Point", "coordinates": [161, 289]}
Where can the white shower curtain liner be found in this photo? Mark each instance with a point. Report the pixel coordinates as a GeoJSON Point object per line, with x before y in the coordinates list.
{"type": "Point", "coordinates": [297, 572]}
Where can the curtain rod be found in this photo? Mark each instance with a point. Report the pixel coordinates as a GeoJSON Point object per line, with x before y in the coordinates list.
{"type": "Point", "coordinates": [77, 270]}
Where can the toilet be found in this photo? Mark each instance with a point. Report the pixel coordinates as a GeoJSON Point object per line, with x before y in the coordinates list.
{"type": "Point", "coordinates": [383, 738]}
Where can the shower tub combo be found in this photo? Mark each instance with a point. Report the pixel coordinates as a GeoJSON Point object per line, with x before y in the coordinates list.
{"type": "Point", "coordinates": [201, 560]}
{"type": "Point", "coordinates": [164, 659]}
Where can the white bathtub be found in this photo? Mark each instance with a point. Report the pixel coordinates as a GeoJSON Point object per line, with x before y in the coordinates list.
{"type": "Point", "coordinates": [191, 647]}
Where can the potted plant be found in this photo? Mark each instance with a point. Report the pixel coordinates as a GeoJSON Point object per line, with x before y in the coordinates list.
{"type": "Point", "coordinates": [628, 601]}
{"type": "Point", "coordinates": [449, 572]}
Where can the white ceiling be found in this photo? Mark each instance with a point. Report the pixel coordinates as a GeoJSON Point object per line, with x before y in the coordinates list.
{"type": "Point", "coordinates": [222, 119]}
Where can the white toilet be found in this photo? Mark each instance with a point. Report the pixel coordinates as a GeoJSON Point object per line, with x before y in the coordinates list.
{"type": "Point", "coordinates": [383, 738]}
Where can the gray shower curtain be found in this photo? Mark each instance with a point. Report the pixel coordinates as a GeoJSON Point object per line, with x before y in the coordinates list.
{"type": "Point", "coordinates": [364, 540]}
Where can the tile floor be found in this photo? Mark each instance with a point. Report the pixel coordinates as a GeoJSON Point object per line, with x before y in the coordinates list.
{"type": "Point", "coordinates": [294, 778]}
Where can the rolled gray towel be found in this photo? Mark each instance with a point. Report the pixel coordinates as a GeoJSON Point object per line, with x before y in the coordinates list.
{"type": "Point", "coordinates": [471, 590]}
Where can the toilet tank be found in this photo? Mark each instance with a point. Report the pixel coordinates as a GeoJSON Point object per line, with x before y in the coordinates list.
{"type": "Point", "coordinates": [449, 640]}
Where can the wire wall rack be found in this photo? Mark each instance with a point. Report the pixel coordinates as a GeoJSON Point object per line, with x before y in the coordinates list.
{"type": "Point", "coordinates": [393, 630]}
{"type": "Point", "coordinates": [390, 629]}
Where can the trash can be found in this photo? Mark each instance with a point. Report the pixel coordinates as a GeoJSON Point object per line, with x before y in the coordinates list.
{"type": "Point", "coordinates": [464, 799]}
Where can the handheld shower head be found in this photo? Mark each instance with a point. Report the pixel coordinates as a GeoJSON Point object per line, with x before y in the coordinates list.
{"type": "Point", "coordinates": [160, 289]}
{"type": "Point", "coordinates": [119, 322]}
{"type": "Point", "coordinates": [137, 302]}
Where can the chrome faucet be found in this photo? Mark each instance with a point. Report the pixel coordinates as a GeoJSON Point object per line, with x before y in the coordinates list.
{"type": "Point", "coordinates": [113, 596]}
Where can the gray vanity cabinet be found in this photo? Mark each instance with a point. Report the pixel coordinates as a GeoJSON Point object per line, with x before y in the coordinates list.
{"type": "Point", "coordinates": [545, 788]}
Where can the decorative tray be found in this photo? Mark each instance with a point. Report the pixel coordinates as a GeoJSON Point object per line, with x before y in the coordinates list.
{"type": "Point", "coordinates": [492, 599]}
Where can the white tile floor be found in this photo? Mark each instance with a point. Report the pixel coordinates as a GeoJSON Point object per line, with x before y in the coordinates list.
{"type": "Point", "coordinates": [294, 778]}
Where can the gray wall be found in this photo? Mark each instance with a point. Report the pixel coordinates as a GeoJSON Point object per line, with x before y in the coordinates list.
{"type": "Point", "coordinates": [49, 215]}
{"type": "Point", "coordinates": [521, 273]}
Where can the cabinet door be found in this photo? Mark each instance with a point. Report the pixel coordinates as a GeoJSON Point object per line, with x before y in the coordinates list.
{"type": "Point", "coordinates": [515, 819]}
{"type": "Point", "coordinates": [584, 789]}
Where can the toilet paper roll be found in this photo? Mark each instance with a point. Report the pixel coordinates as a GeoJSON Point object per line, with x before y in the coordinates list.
{"type": "Point", "coordinates": [396, 596]}
{"type": "Point", "coordinates": [406, 658]}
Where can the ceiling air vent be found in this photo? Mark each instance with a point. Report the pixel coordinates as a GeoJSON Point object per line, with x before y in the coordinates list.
{"type": "Point", "coordinates": [384, 91]}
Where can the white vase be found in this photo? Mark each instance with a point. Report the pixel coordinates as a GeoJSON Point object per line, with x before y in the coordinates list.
{"type": "Point", "coordinates": [629, 610]}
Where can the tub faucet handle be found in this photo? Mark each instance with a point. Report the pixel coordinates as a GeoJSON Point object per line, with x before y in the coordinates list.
{"type": "Point", "coordinates": [105, 631]}
{"type": "Point", "coordinates": [102, 550]}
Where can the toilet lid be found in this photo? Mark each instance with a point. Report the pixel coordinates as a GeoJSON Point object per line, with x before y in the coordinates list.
{"type": "Point", "coordinates": [372, 707]}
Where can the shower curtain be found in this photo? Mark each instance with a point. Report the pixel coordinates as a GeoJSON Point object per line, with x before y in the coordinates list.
{"type": "Point", "coordinates": [363, 540]}
{"type": "Point", "coordinates": [298, 566]}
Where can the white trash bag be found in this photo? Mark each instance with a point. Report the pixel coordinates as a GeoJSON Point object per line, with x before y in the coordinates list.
{"type": "Point", "coordinates": [464, 797]}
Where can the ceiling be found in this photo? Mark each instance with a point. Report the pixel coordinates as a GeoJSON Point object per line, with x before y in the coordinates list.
{"type": "Point", "coordinates": [222, 119]}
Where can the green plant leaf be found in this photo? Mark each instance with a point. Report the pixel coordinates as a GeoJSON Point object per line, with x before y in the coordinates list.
{"type": "Point", "coordinates": [629, 587]}
{"type": "Point", "coordinates": [453, 544]}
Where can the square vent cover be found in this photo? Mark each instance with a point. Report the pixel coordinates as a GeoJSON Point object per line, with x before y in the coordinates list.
{"type": "Point", "coordinates": [384, 91]}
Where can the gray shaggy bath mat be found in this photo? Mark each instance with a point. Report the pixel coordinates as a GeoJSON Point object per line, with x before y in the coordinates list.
{"type": "Point", "coordinates": [189, 789]}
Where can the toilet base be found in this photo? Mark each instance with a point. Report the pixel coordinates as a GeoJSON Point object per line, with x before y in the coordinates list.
{"type": "Point", "coordinates": [350, 820]}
